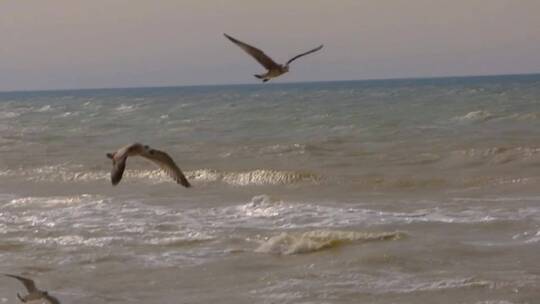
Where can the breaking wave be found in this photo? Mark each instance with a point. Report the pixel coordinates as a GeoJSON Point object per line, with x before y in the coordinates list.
{"type": "Point", "coordinates": [482, 116]}
{"type": "Point", "coordinates": [254, 177]}
{"type": "Point", "coordinates": [53, 201]}
{"type": "Point", "coordinates": [67, 173]}
{"type": "Point", "coordinates": [306, 242]}
{"type": "Point", "coordinates": [124, 108]}
{"type": "Point", "coordinates": [475, 116]}
{"type": "Point", "coordinates": [497, 155]}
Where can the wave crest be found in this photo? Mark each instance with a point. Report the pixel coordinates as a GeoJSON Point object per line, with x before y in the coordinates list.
{"type": "Point", "coordinates": [476, 116]}
{"type": "Point", "coordinates": [496, 155]}
{"type": "Point", "coordinates": [296, 243]}
{"type": "Point", "coordinates": [76, 173]}
{"type": "Point", "coordinates": [255, 177]}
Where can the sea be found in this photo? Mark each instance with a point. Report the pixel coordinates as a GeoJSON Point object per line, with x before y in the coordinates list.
{"type": "Point", "coordinates": [384, 191]}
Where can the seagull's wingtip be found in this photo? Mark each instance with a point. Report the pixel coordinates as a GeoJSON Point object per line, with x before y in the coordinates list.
{"type": "Point", "coordinates": [184, 183]}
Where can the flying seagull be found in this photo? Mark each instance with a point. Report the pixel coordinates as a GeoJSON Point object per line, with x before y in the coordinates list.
{"type": "Point", "coordinates": [274, 69]}
{"type": "Point", "coordinates": [34, 295]}
{"type": "Point", "coordinates": [160, 158]}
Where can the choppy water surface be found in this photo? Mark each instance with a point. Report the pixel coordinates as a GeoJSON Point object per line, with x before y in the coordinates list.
{"type": "Point", "coordinates": [409, 191]}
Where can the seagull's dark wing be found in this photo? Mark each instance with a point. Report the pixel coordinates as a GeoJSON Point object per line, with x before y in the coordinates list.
{"type": "Point", "coordinates": [28, 283]}
{"type": "Point", "coordinates": [259, 55]}
{"type": "Point", "coordinates": [51, 299]}
{"type": "Point", "coordinates": [118, 170]}
{"type": "Point", "coordinates": [304, 54]}
{"type": "Point", "coordinates": [167, 164]}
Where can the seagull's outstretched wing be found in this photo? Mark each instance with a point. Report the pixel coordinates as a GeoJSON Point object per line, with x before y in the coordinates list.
{"type": "Point", "coordinates": [304, 54]}
{"type": "Point", "coordinates": [167, 164]}
{"type": "Point", "coordinates": [117, 171]}
{"type": "Point", "coordinates": [259, 55]}
{"type": "Point", "coordinates": [28, 283]}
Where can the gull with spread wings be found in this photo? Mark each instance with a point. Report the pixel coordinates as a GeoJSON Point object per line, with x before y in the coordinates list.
{"type": "Point", "coordinates": [34, 295]}
{"type": "Point", "coordinates": [274, 69]}
{"type": "Point", "coordinates": [160, 158]}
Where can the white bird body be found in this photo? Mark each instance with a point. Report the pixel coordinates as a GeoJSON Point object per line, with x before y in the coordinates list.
{"type": "Point", "coordinates": [273, 73]}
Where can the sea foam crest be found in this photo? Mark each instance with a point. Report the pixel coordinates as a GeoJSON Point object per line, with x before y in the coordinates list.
{"type": "Point", "coordinates": [254, 177]}
{"type": "Point", "coordinates": [475, 116]}
{"type": "Point", "coordinates": [264, 206]}
{"type": "Point", "coordinates": [72, 173]}
{"type": "Point", "coordinates": [52, 201]}
{"type": "Point", "coordinates": [311, 241]}
{"type": "Point", "coordinates": [497, 155]}
{"type": "Point", "coordinates": [8, 114]}
{"type": "Point", "coordinates": [45, 108]}
{"type": "Point", "coordinates": [124, 108]}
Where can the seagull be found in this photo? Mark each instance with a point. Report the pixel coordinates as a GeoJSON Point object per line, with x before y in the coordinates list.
{"type": "Point", "coordinates": [274, 69]}
{"type": "Point", "coordinates": [34, 295]}
{"type": "Point", "coordinates": [160, 158]}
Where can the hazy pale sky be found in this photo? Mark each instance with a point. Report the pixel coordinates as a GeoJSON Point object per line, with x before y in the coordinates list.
{"type": "Point", "coordinates": [62, 44]}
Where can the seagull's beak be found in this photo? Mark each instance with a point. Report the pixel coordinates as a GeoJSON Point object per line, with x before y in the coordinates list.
{"type": "Point", "coordinates": [110, 155]}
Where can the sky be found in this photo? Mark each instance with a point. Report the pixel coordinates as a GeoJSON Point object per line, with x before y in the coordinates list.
{"type": "Point", "coordinates": [68, 44]}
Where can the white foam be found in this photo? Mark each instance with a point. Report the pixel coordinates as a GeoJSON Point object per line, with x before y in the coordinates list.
{"type": "Point", "coordinates": [8, 114]}
{"type": "Point", "coordinates": [77, 173]}
{"type": "Point", "coordinates": [257, 177]}
{"type": "Point", "coordinates": [311, 241]}
{"type": "Point", "coordinates": [283, 149]}
{"type": "Point", "coordinates": [534, 239]}
{"type": "Point", "coordinates": [68, 114]}
{"type": "Point", "coordinates": [45, 108]}
{"type": "Point", "coordinates": [124, 108]}
{"type": "Point", "coordinates": [262, 206]}
{"type": "Point", "coordinates": [476, 116]}
{"type": "Point", "coordinates": [76, 240]}
{"type": "Point", "coordinates": [49, 201]}
{"type": "Point", "coordinates": [500, 155]}
{"type": "Point", "coordinates": [185, 238]}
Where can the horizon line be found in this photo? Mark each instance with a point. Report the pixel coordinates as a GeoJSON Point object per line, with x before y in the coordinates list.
{"type": "Point", "coordinates": [268, 84]}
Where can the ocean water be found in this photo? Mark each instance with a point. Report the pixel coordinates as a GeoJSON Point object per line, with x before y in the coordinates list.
{"type": "Point", "coordinates": [398, 191]}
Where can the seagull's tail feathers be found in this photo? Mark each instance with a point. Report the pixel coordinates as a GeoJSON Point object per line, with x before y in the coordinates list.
{"type": "Point", "coordinates": [259, 76]}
